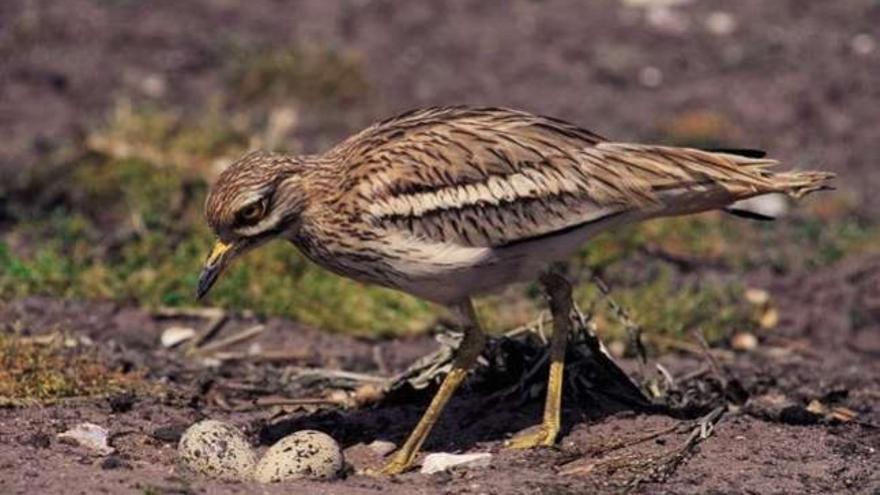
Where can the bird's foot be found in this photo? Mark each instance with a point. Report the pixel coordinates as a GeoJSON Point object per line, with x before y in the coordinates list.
{"type": "Point", "coordinates": [545, 436]}
{"type": "Point", "coordinates": [397, 465]}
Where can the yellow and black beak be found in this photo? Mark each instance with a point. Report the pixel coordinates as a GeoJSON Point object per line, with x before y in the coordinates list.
{"type": "Point", "coordinates": [217, 261]}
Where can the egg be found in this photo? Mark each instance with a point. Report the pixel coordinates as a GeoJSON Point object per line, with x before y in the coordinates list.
{"type": "Point", "coordinates": [218, 450]}
{"type": "Point", "coordinates": [304, 454]}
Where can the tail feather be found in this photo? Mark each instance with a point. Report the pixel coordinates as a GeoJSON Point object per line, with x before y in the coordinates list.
{"type": "Point", "coordinates": [688, 180]}
{"type": "Point", "coordinates": [760, 180]}
{"type": "Point", "coordinates": [799, 184]}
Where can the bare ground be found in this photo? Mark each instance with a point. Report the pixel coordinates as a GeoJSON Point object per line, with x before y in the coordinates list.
{"type": "Point", "coordinates": [791, 76]}
{"type": "Point", "coordinates": [771, 443]}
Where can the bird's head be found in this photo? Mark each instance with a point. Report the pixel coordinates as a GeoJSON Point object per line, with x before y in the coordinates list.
{"type": "Point", "coordinates": [254, 200]}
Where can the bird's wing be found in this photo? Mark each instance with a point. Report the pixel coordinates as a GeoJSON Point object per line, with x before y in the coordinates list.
{"type": "Point", "coordinates": [492, 177]}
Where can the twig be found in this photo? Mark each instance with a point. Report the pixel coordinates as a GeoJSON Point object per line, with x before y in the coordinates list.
{"type": "Point", "coordinates": [707, 353]}
{"type": "Point", "coordinates": [622, 444]}
{"type": "Point", "coordinates": [245, 334]}
{"type": "Point", "coordinates": [633, 330]}
{"type": "Point", "coordinates": [209, 331]}
{"type": "Point", "coordinates": [282, 355]}
{"type": "Point", "coordinates": [694, 374]}
{"type": "Point", "coordinates": [216, 318]}
{"type": "Point", "coordinates": [701, 430]}
{"type": "Point", "coordinates": [330, 374]}
{"type": "Point", "coordinates": [379, 360]}
{"type": "Point", "coordinates": [305, 401]}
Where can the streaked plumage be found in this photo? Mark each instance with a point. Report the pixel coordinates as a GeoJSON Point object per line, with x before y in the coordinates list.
{"type": "Point", "coordinates": [448, 203]}
{"type": "Point", "coordinates": [445, 203]}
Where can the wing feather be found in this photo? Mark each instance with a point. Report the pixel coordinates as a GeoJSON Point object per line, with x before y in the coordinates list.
{"type": "Point", "coordinates": [491, 177]}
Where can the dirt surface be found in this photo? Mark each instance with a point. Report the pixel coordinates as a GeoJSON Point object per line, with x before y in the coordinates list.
{"type": "Point", "coordinates": [796, 78]}
{"type": "Point", "coordinates": [769, 443]}
{"type": "Point", "coordinates": [792, 77]}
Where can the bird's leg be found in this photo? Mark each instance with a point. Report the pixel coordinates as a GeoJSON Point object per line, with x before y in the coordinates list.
{"type": "Point", "coordinates": [466, 356]}
{"type": "Point", "coordinates": [559, 292]}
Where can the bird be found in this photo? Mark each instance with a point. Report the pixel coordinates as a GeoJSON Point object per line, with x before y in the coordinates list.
{"type": "Point", "coordinates": [449, 203]}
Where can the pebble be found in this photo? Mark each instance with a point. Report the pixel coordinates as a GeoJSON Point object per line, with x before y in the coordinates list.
{"type": "Point", "coordinates": [721, 23]}
{"type": "Point", "coordinates": [303, 454]}
{"type": "Point", "coordinates": [217, 450]}
{"type": "Point", "coordinates": [650, 77]}
{"type": "Point", "coordinates": [89, 435]}
{"type": "Point", "coordinates": [744, 341]}
{"type": "Point", "coordinates": [174, 336]}
{"type": "Point", "coordinates": [382, 447]}
{"type": "Point", "coordinates": [441, 461]}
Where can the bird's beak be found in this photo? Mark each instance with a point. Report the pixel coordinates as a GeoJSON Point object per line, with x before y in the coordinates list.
{"type": "Point", "coordinates": [220, 256]}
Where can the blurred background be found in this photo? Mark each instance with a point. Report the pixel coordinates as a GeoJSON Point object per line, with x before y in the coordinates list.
{"type": "Point", "coordinates": [115, 115]}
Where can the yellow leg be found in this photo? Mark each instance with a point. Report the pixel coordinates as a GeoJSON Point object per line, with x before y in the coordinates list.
{"type": "Point", "coordinates": [559, 291]}
{"type": "Point", "coordinates": [466, 356]}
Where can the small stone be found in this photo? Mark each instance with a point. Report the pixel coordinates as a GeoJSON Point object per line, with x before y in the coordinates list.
{"type": "Point", "coordinates": [218, 450]}
{"type": "Point", "coordinates": [651, 77]}
{"type": "Point", "coordinates": [758, 297]}
{"type": "Point", "coordinates": [721, 23]}
{"type": "Point", "coordinates": [174, 336]}
{"type": "Point", "coordinates": [816, 407]}
{"type": "Point", "coordinates": [154, 85]}
{"type": "Point", "coordinates": [617, 348]}
{"type": "Point", "coordinates": [667, 20]}
{"type": "Point", "coordinates": [382, 447]}
{"type": "Point", "coordinates": [769, 319]}
{"type": "Point", "coordinates": [744, 341]}
{"type": "Point", "coordinates": [442, 461]}
{"type": "Point", "coordinates": [89, 435]}
{"type": "Point", "coordinates": [863, 44]}
{"type": "Point", "coordinates": [303, 454]}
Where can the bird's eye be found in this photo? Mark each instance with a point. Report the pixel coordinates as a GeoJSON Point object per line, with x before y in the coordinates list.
{"type": "Point", "coordinates": [252, 212]}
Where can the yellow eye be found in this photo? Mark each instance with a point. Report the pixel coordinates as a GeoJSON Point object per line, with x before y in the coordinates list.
{"type": "Point", "coordinates": [253, 212]}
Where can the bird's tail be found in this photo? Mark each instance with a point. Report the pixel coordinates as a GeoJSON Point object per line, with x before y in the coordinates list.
{"type": "Point", "coordinates": [688, 180]}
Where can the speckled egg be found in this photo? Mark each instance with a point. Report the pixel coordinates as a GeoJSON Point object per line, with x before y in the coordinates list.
{"type": "Point", "coordinates": [218, 450]}
{"type": "Point", "coordinates": [304, 454]}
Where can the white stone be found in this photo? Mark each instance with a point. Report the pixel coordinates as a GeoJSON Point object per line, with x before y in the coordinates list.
{"type": "Point", "coordinates": [441, 461]}
{"type": "Point", "coordinates": [173, 336]}
{"type": "Point", "coordinates": [863, 44]}
{"type": "Point", "coordinates": [89, 435]}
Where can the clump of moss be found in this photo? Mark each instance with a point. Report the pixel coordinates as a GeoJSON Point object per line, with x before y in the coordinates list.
{"type": "Point", "coordinates": [44, 371]}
